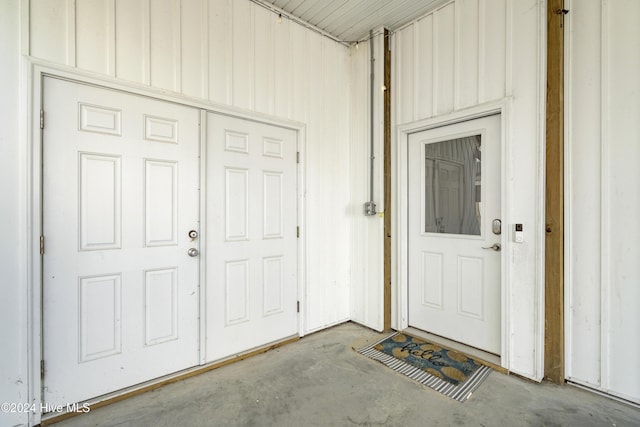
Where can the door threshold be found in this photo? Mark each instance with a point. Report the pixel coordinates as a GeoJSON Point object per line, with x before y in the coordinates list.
{"type": "Point", "coordinates": [490, 359]}
{"type": "Point", "coordinates": [117, 396]}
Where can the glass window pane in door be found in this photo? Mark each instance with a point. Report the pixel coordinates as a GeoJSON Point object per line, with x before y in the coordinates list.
{"type": "Point", "coordinates": [453, 189]}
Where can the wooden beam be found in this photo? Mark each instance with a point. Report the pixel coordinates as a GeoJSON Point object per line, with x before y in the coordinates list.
{"type": "Point", "coordinates": [554, 211]}
{"type": "Point", "coordinates": [387, 181]}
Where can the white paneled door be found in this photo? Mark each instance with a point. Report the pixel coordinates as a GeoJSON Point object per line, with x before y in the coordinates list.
{"type": "Point", "coordinates": [120, 197]}
{"type": "Point", "coordinates": [454, 232]}
{"type": "Point", "coordinates": [251, 258]}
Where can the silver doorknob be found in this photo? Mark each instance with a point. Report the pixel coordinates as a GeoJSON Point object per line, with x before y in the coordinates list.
{"type": "Point", "coordinates": [496, 247]}
{"type": "Point", "coordinates": [192, 252]}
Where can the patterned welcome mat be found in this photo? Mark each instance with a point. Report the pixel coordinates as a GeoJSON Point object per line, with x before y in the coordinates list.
{"type": "Point", "coordinates": [446, 371]}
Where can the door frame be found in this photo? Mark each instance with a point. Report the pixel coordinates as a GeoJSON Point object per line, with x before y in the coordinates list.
{"type": "Point", "coordinates": [36, 71]}
{"type": "Point", "coordinates": [400, 254]}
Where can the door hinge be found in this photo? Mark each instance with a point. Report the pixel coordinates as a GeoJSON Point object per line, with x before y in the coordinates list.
{"type": "Point", "coordinates": [41, 119]}
{"type": "Point", "coordinates": [41, 245]}
{"type": "Point", "coordinates": [42, 369]}
{"type": "Point", "coordinates": [298, 231]}
{"type": "Point", "coordinates": [298, 306]}
{"type": "Point", "coordinates": [297, 157]}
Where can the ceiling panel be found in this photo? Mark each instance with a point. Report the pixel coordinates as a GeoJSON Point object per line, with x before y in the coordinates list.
{"type": "Point", "coordinates": [351, 20]}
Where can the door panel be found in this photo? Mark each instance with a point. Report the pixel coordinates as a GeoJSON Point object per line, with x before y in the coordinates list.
{"type": "Point", "coordinates": [251, 240]}
{"type": "Point", "coordinates": [454, 195]}
{"type": "Point", "coordinates": [120, 194]}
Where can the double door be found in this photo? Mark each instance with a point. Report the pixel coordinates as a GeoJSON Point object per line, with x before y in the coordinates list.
{"type": "Point", "coordinates": [122, 287]}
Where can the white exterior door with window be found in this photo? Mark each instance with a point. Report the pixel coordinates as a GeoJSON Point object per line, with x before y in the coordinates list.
{"type": "Point", "coordinates": [120, 195]}
{"type": "Point", "coordinates": [454, 249]}
{"type": "Point", "coordinates": [251, 258]}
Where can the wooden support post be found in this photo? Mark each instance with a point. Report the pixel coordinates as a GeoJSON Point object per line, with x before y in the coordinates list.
{"type": "Point", "coordinates": [387, 181]}
{"type": "Point", "coordinates": [554, 211]}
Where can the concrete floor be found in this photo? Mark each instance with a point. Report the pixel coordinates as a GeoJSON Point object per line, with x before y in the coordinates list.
{"type": "Point", "coordinates": [321, 381]}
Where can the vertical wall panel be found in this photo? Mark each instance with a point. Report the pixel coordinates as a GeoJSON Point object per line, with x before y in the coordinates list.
{"type": "Point", "coordinates": [360, 309]}
{"type": "Point", "coordinates": [263, 61]}
{"type": "Point", "coordinates": [492, 47]}
{"type": "Point", "coordinates": [52, 30]}
{"type": "Point", "coordinates": [165, 44]}
{"type": "Point", "coordinates": [95, 48]}
{"type": "Point", "coordinates": [282, 56]}
{"type": "Point", "coordinates": [603, 202]}
{"type": "Point", "coordinates": [524, 183]}
{"type": "Point", "coordinates": [132, 40]}
{"type": "Point", "coordinates": [444, 59]}
{"type": "Point", "coordinates": [336, 195]}
{"type": "Point", "coordinates": [466, 71]}
{"type": "Point", "coordinates": [329, 64]}
{"type": "Point", "coordinates": [299, 74]}
{"type": "Point", "coordinates": [220, 48]}
{"type": "Point", "coordinates": [317, 157]}
{"type": "Point", "coordinates": [584, 154]}
{"type": "Point", "coordinates": [621, 197]}
{"type": "Point", "coordinates": [423, 58]}
{"type": "Point", "coordinates": [194, 48]}
{"type": "Point", "coordinates": [406, 74]}
{"type": "Point", "coordinates": [14, 358]}
{"type": "Point", "coordinates": [243, 48]}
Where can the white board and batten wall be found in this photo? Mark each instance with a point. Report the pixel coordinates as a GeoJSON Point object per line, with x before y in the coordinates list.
{"type": "Point", "coordinates": [472, 52]}
{"type": "Point", "coordinates": [14, 368]}
{"type": "Point", "coordinates": [232, 55]}
{"type": "Point", "coordinates": [602, 204]}
{"type": "Point", "coordinates": [237, 54]}
{"type": "Point", "coordinates": [367, 233]}
{"type": "Point", "coordinates": [463, 55]}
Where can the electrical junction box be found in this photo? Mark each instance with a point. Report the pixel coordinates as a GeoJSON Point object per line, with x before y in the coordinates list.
{"type": "Point", "coordinates": [369, 208]}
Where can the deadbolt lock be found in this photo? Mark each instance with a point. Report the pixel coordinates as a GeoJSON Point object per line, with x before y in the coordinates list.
{"type": "Point", "coordinates": [496, 226]}
{"type": "Point", "coordinates": [193, 234]}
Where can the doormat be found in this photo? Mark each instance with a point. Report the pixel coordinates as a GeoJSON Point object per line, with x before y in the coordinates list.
{"type": "Point", "coordinates": [447, 371]}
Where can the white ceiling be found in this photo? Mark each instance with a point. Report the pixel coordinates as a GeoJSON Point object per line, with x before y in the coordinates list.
{"type": "Point", "coordinates": [350, 20]}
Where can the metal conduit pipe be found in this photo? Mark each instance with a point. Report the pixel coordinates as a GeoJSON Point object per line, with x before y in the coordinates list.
{"type": "Point", "coordinates": [370, 206]}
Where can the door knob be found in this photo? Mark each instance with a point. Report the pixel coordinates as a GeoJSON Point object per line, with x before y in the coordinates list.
{"type": "Point", "coordinates": [496, 247]}
{"type": "Point", "coordinates": [193, 252]}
